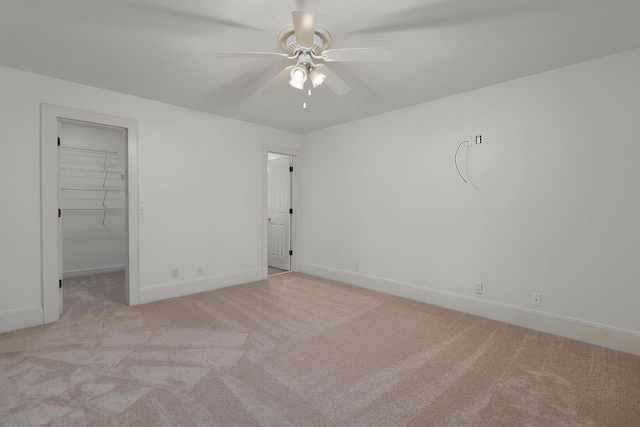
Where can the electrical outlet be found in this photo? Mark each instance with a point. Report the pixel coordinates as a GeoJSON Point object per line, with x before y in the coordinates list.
{"type": "Point", "coordinates": [467, 140]}
{"type": "Point", "coordinates": [478, 287]}
{"type": "Point", "coordinates": [174, 273]}
{"type": "Point", "coordinates": [199, 270]}
{"type": "Point", "coordinates": [536, 299]}
{"type": "Point", "coordinates": [478, 139]}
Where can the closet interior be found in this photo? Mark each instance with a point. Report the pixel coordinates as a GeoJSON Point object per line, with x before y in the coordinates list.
{"type": "Point", "coordinates": [92, 200]}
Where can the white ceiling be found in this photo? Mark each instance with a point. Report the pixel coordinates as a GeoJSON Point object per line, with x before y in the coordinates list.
{"type": "Point", "coordinates": [164, 49]}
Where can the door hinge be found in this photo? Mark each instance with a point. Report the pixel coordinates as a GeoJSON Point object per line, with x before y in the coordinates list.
{"type": "Point", "coordinates": [290, 253]}
{"type": "Point", "coordinates": [58, 142]}
{"type": "Point", "coordinates": [60, 283]}
{"type": "Point", "coordinates": [291, 211]}
{"type": "Point", "coordinates": [290, 168]}
{"type": "Point", "coordinates": [59, 213]}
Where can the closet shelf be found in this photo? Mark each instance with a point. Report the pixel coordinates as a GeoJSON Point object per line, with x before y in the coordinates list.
{"type": "Point", "coordinates": [89, 209]}
{"type": "Point", "coordinates": [79, 179]}
{"type": "Point", "coordinates": [89, 189]}
{"type": "Point", "coordinates": [88, 149]}
{"type": "Point", "coordinates": [86, 170]}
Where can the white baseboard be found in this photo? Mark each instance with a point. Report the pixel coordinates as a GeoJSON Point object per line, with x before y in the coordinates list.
{"type": "Point", "coordinates": [193, 286]}
{"type": "Point", "coordinates": [593, 333]}
{"type": "Point", "coordinates": [20, 319]}
{"type": "Point", "coordinates": [92, 271]}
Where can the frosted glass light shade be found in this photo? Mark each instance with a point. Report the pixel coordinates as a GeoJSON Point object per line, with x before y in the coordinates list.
{"type": "Point", "coordinates": [298, 77]}
{"type": "Point", "coordinates": [317, 77]}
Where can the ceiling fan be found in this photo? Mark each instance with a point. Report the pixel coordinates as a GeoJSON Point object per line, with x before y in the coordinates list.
{"type": "Point", "coordinates": [308, 44]}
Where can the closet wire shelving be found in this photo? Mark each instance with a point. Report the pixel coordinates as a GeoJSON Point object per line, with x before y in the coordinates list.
{"type": "Point", "coordinates": [105, 171]}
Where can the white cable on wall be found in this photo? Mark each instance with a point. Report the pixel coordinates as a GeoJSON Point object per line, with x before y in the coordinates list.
{"type": "Point", "coordinates": [455, 160]}
{"type": "Point", "coordinates": [467, 143]}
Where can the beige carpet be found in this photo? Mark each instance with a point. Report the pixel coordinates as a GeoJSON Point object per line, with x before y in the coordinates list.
{"type": "Point", "coordinates": [274, 270]}
{"type": "Point", "coordinates": [296, 350]}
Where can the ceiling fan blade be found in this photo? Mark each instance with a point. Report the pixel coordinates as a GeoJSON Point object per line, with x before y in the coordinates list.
{"type": "Point", "coordinates": [334, 82]}
{"type": "Point", "coordinates": [304, 26]}
{"type": "Point", "coordinates": [277, 81]}
{"type": "Point", "coordinates": [302, 5]}
{"type": "Point", "coordinates": [173, 16]}
{"type": "Point", "coordinates": [251, 55]}
{"type": "Point", "coordinates": [447, 13]}
{"type": "Point", "coordinates": [314, 7]}
{"type": "Point", "coordinates": [365, 54]}
{"type": "Point", "coordinates": [243, 86]}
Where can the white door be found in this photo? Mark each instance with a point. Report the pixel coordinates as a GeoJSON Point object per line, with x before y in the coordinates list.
{"type": "Point", "coordinates": [279, 203]}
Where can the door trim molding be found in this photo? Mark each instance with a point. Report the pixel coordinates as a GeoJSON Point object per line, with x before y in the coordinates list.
{"type": "Point", "coordinates": [50, 114]}
{"type": "Point", "coordinates": [266, 149]}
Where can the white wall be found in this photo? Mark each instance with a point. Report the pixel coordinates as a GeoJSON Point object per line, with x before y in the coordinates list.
{"type": "Point", "coordinates": [200, 180]}
{"type": "Point", "coordinates": [92, 241]}
{"type": "Point", "coordinates": [556, 210]}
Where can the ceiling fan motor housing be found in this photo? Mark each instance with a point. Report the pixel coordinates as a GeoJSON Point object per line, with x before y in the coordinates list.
{"type": "Point", "coordinates": [287, 40]}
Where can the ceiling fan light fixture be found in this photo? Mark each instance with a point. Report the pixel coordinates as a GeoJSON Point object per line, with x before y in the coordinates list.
{"type": "Point", "coordinates": [317, 77]}
{"type": "Point", "coordinates": [298, 77]}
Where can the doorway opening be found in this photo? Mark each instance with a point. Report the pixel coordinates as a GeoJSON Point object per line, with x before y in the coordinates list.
{"type": "Point", "coordinates": [279, 229]}
{"type": "Point", "coordinates": [86, 183]}
{"type": "Point", "coordinates": [93, 240]}
{"type": "Point", "coordinates": [280, 211]}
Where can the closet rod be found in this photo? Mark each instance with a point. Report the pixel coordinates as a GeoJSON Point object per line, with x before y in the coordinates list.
{"type": "Point", "coordinates": [90, 149]}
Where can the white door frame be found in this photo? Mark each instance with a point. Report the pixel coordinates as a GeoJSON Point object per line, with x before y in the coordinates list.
{"type": "Point", "coordinates": [266, 149]}
{"type": "Point", "coordinates": [50, 114]}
